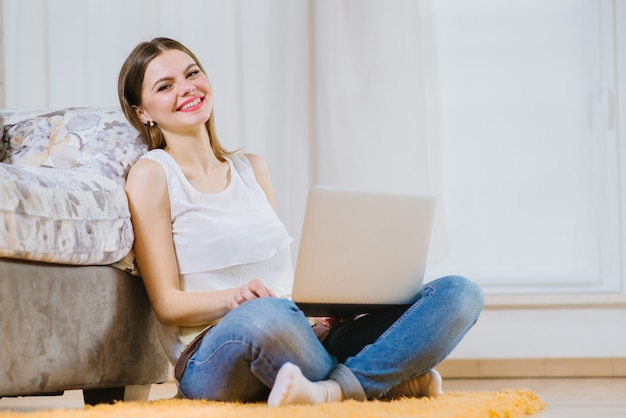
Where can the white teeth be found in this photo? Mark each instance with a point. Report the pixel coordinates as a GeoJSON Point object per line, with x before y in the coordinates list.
{"type": "Point", "coordinates": [190, 104]}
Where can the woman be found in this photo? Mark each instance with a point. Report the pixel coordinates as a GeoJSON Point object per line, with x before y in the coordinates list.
{"type": "Point", "coordinates": [215, 260]}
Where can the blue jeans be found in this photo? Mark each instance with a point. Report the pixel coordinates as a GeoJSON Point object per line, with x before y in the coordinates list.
{"type": "Point", "coordinates": [239, 358]}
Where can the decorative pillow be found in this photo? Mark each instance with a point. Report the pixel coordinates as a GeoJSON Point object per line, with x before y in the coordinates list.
{"type": "Point", "coordinates": [95, 140]}
{"type": "Point", "coordinates": [4, 145]}
{"type": "Point", "coordinates": [62, 216]}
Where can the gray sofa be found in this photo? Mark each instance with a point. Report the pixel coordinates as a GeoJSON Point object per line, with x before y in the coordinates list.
{"type": "Point", "coordinates": [73, 312]}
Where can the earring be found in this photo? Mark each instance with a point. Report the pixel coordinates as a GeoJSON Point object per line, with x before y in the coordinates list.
{"type": "Point", "coordinates": [151, 124]}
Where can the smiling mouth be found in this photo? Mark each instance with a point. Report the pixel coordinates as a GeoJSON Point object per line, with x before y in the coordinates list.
{"type": "Point", "coordinates": [190, 104]}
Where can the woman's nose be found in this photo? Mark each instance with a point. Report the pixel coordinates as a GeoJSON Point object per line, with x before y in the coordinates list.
{"type": "Point", "coordinates": [187, 88]}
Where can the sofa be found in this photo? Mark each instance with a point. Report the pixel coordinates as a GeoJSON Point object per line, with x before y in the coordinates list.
{"type": "Point", "coordinates": [73, 312]}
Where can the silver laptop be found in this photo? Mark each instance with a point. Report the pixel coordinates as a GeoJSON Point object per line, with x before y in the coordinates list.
{"type": "Point", "coordinates": [361, 251]}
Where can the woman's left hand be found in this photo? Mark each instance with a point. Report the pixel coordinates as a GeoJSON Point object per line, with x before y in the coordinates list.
{"type": "Point", "coordinates": [254, 289]}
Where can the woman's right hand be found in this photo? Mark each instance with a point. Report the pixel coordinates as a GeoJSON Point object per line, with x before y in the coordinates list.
{"type": "Point", "coordinates": [252, 290]}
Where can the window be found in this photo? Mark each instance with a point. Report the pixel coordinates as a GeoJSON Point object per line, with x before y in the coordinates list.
{"type": "Point", "coordinates": [528, 135]}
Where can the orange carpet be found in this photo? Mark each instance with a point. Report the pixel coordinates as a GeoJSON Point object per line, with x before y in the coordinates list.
{"type": "Point", "coordinates": [505, 403]}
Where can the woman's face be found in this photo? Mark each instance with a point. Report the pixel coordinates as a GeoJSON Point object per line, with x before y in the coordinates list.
{"type": "Point", "coordinates": [175, 93]}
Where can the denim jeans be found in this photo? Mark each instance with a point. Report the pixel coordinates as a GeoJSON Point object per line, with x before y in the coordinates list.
{"type": "Point", "coordinates": [239, 358]}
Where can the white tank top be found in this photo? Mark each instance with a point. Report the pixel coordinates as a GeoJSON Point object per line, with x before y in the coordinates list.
{"type": "Point", "coordinates": [223, 239]}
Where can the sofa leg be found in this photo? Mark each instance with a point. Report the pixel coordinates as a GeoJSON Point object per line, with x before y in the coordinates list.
{"type": "Point", "coordinates": [137, 393]}
{"type": "Point", "coordinates": [121, 393]}
{"type": "Point", "coordinates": [106, 395]}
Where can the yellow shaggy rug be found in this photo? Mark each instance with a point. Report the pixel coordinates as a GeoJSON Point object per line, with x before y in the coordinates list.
{"type": "Point", "coordinates": [505, 404]}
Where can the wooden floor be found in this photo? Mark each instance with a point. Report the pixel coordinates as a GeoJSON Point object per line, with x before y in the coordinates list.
{"type": "Point", "coordinates": [571, 398]}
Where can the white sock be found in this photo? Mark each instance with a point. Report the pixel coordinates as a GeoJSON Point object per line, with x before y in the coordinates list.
{"type": "Point", "coordinates": [428, 384]}
{"type": "Point", "coordinates": [292, 388]}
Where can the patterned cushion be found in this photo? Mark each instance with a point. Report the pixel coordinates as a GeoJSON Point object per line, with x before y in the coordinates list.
{"type": "Point", "coordinates": [62, 216]}
{"type": "Point", "coordinates": [62, 185]}
{"type": "Point", "coordinates": [95, 140]}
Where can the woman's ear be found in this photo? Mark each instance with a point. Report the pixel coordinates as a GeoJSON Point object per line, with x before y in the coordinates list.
{"type": "Point", "coordinates": [142, 115]}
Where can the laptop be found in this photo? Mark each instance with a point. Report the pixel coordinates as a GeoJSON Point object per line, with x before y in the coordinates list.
{"type": "Point", "coordinates": [361, 251]}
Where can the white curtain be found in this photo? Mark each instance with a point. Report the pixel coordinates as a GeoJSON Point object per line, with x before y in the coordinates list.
{"type": "Point", "coordinates": [329, 92]}
{"type": "Point", "coordinates": [369, 98]}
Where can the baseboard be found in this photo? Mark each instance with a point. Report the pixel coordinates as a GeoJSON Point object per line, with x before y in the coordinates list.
{"type": "Point", "coordinates": [525, 368]}
{"type": "Point", "coordinates": [556, 301]}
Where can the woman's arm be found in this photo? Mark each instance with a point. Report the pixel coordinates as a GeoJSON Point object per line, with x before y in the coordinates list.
{"type": "Point", "coordinates": [146, 188]}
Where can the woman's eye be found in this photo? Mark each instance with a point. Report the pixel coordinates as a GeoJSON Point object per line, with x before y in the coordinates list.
{"type": "Point", "coordinates": [164, 87]}
{"type": "Point", "coordinates": [193, 73]}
